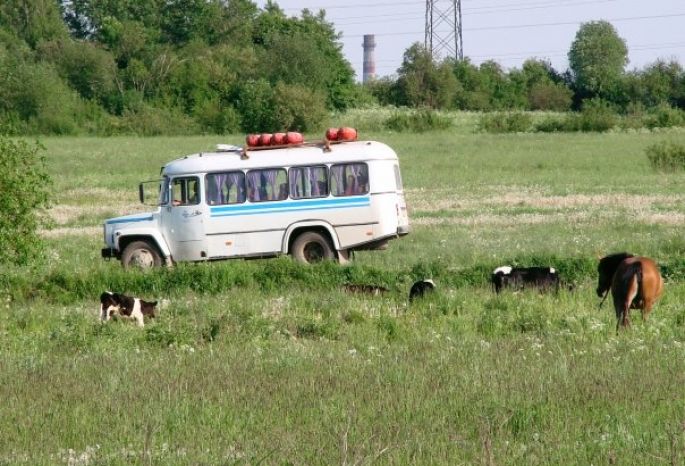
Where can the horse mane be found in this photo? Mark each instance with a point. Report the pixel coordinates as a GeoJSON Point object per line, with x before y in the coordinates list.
{"type": "Point", "coordinates": [611, 261]}
{"type": "Point", "coordinates": [608, 264]}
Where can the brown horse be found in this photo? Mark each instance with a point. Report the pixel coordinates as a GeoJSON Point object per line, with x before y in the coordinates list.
{"type": "Point", "coordinates": [635, 283]}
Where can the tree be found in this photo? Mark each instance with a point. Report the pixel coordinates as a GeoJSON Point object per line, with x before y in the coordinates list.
{"type": "Point", "coordinates": [425, 83]}
{"type": "Point", "coordinates": [597, 58]}
{"type": "Point", "coordinates": [32, 20]}
{"type": "Point", "coordinates": [25, 186]}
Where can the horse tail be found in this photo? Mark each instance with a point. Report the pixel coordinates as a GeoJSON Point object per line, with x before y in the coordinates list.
{"type": "Point", "coordinates": [633, 270]}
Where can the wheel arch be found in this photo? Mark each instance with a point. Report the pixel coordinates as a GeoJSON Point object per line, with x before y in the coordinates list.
{"type": "Point", "coordinates": [296, 229]}
{"type": "Point", "coordinates": [128, 239]}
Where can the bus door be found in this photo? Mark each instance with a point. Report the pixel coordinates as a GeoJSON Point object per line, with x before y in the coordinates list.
{"type": "Point", "coordinates": [183, 224]}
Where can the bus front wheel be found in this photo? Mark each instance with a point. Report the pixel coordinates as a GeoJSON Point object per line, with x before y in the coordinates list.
{"type": "Point", "coordinates": [312, 247]}
{"type": "Point", "coordinates": [140, 254]}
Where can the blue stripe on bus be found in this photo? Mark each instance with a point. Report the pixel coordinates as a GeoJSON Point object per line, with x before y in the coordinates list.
{"type": "Point", "coordinates": [316, 204]}
{"type": "Point", "coordinates": [129, 220]}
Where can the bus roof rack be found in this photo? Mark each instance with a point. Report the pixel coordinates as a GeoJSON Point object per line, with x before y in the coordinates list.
{"type": "Point", "coordinates": [228, 148]}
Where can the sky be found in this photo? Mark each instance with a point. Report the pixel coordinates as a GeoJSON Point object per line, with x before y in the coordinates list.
{"type": "Point", "coordinates": [507, 31]}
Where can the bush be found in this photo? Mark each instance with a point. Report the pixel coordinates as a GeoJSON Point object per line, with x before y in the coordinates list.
{"type": "Point", "coordinates": [217, 119]}
{"type": "Point", "coordinates": [597, 115]}
{"type": "Point", "coordinates": [666, 156]}
{"type": "Point", "coordinates": [418, 122]}
{"type": "Point", "coordinates": [550, 96]}
{"type": "Point", "coordinates": [25, 186]}
{"type": "Point", "coordinates": [152, 121]}
{"type": "Point", "coordinates": [552, 125]}
{"type": "Point", "coordinates": [298, 109]}
{"type": "Point", "coordinates": [516, 122]}
{"type": "Point", "coordinates": [665, 116]}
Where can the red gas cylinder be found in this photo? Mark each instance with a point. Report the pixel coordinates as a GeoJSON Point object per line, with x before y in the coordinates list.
{"type": "Point", "coordinates": [265, 139]}
{"type": "Point", "coordinates": [332, 134]}
{"type": "Point", "coordinates": [293, 138]}
{"type": "Point", "coordinates": [278, 139]}
{"type": "Point", "coordinates": [347, 134]}
{"type": "Point", "coordinates": [252, 140]}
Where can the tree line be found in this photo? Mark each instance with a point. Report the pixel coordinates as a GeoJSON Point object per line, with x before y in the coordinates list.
{"type": "Point", "coordinates": [224, 66]}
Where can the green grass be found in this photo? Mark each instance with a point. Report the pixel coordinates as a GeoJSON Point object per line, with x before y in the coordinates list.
{"type": "Point", "coordinates": [269, 362]}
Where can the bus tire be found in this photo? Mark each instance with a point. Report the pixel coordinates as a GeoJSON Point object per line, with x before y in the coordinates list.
{"type": "Point", "coordinates": [140, 254]}
{"type": "Point", "coordinates": [312, 247]}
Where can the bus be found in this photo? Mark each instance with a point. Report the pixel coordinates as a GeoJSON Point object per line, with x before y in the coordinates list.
{"type": "Point", "coordinates": [313, 201]}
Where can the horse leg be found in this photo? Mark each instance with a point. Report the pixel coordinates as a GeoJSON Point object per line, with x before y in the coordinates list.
{"type": "Point", "coordinates": [646, 309]}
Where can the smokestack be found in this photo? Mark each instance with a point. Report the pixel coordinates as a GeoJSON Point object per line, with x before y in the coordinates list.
{"type": "Point", "coordinates": [369, 58]}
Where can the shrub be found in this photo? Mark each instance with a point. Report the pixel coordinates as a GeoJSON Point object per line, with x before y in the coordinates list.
{"type": "Point", "coordinates": [666, 156]}
{"type": "Point", "coordinates": [297, 108]}
{"type": "Point", "coordinates": [418, 122]}
{"type": "Point", "coordinates": [217, 119]}
{"type": "Point", "coordinates": [549, 96]}
{"type": "Point", "coordinates": [665, 116]}
{"type": "Point", "coordinates": [597, 115]}
{"type": "Point", "coordinates": [516, 122]}
{"type": "Point", "coordinates": [552, 125]}
{"type": "Point", "coordinates": [152, 121]}
{"type": "Point", "coordinates": [25, 186]}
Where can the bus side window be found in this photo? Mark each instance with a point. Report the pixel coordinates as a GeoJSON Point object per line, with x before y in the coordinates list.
{"type": "Point", "coordinates": [225, 188]}
{"type": "Point", "coordinates": [185, 191]}
{"type": "Point", "coordinates": [351, 179]}
{"type": "Point", "coordinates": [308, 182]}
{"type": "Point", "coordinates": [267, 185]}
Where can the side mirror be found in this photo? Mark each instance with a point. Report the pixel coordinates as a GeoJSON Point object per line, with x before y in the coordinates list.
{"type": "Point", "coordinates": [141, 193]}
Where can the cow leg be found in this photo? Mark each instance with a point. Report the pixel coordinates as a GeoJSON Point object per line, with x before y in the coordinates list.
{"type": "Point", "coordinates": [137, 313]}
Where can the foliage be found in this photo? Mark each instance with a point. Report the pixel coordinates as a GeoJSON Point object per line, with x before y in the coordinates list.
{"type": "Point", "coordinates": [597, 58]}
{"type": "Point", "coordinates": [515, 122]}
{"type": "Point", "coordinates": [424, 83]}
{"type": "Point", "coordinates": [597, 115]}
{"type": "Point", "coordinates": [549, 96]}
{"type": "Point", "coordinates": [665, 116]}
{"type": "Point", "coordinates": [666, 156]}
{"type": "Point", "coordinates": [25, 187]}
{"type": "Point", "coordinates": [418, 122]}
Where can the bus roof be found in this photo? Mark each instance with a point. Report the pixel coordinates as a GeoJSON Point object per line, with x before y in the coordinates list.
{"type": "Point", "coordinates": [207, 162]}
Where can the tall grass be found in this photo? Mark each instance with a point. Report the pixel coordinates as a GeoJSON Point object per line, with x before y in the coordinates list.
{"type": "Point", "coordinates": [270, 362]}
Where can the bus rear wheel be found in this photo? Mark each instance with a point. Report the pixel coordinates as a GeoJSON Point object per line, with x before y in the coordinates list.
{"type": "Point", "coordinates": [141, 255]}
{"type": "Point", "coordinates": [312, 247]}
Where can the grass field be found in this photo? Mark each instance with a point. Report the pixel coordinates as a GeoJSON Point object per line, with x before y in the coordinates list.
{"type": "Point", "coordinates": [268, 362]}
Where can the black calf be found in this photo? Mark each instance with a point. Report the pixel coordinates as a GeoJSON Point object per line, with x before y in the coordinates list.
{"type": "Point", "coordinates": [542, 278]}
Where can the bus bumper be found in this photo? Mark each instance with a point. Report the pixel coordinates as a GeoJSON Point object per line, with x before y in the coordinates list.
{"type": "Point", "coordinates": [403, 230]}
{"type": "Point", "coordinates": [108, 253]}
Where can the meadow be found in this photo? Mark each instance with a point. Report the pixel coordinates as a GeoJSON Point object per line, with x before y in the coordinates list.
{"type": "Point", "coordinates": [270, 362]}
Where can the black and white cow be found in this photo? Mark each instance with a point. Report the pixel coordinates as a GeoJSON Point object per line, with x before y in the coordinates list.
{"type": "Point", "coordinates": [542, 278]}
{"type": "Point", "coordinates": [420, 288]}
{"type": "Point", "coordinates": [125, 306]}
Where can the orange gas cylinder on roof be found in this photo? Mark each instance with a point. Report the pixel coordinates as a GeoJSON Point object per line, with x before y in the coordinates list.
{"type": "Point", "coordinates": [265, 139]}
{"type": "Point", "coordinates": [332, 134]}
{"type": "Point", "coordinates": [292, 137]}
{"type": "Point", "coordinates": [347, 134]}
{"type": "Point", "coordinates": [252, 140]}
{"type": "Point", "coordinates": [278, 139]}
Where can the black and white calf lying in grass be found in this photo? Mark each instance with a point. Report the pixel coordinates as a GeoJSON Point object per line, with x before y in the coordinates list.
{"type": "Point", "coordinates": [518, 278]}
{"type": "Point", "coordinates": [125, 306]}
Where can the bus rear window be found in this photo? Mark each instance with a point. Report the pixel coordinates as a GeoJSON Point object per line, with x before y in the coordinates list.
{"type": "Point", "coordinates": [398, 178]}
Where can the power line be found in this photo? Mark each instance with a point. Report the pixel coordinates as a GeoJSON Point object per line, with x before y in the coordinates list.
{"type": "Point", "coordinates": [405, 16]}
{"type": "Point", "coordinates": [557, 53]}
{"type": "Point", "coordinates": [523, 26]}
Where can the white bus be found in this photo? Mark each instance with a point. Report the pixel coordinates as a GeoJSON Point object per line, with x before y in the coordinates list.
{"type": "Point", "coordinates": [313, 201]}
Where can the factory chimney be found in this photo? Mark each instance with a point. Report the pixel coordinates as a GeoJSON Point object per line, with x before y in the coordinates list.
{"type": "Point", "coordinates": [369, 58]}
